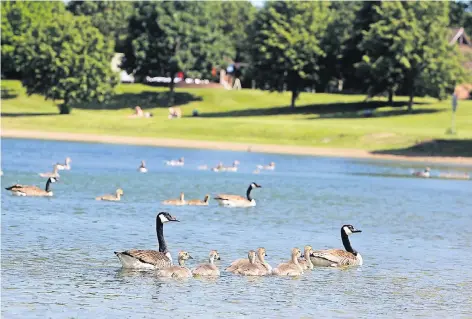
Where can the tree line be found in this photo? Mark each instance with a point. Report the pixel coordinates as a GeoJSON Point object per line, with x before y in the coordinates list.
{"type": "Point", "coordinates": [64, 50]}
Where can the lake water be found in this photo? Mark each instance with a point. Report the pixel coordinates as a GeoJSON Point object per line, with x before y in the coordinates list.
{"type": "Point", "coordinates": [58, 261]}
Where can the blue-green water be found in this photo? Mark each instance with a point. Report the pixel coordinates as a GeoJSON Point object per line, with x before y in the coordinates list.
{"type": "Point", "coordinates": [58, 261]}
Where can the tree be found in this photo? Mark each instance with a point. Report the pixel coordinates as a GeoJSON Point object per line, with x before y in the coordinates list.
{"type": "Point", "coordinates": [110, 17]}
{"type": "Point", "coordinates": [167, 37]}
{"type": "Point", "coordinates": [234, 18]}
{"type": "Point", "coordinates": [408, 47]}
{"type": "Point", "coordinates": [335, 42]}
{"type": "Point", "coordinates": [18, 17]}
{"type": "Point", "coordinates": [67, 58]}
{"type": "Point", "coordinates": [285, 44]}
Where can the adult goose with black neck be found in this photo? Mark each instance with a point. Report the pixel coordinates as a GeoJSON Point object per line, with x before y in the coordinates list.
{"type": "Point", "coordinates": [31, 190]}
{"type": "Point", "coordinates": [339, 257]}
{"type": "Point", "coordinates": [150, 259]}
{"type": "Point", "coordinates": [236, 200]}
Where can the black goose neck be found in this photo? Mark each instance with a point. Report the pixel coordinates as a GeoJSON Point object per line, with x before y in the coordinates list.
{"type": "Point", "coordinates": [160, 235]}
{"type": "Point", "coordinates": [48, 186]}
{"type": "Point", "coordinates": [248, 193]}
{"type": "Point", "coordinates": [347, 242]}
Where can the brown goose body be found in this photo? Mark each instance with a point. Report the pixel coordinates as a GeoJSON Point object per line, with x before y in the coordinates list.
{"type": "Point", "coordinates": [110, 197]}
{"type": "Point", "coordinates": [209, 269]}
{"type": "Point", "coordinates": [150, 259]}
{"type": "Point", "coordinates": [198, 202]}
{"type": "Point", "coordinates": [31, 190]}
{"type": "Point", "coordinates": [260, 262]}
{"type": "Point", "coordinates": [338, 257]}
{"type": "Point", "coordinates": [176, 202]}
{"type": "Point", "coordinates": [179, 271]}
{"type": "Point", "coordinates": [236, 200]}
{"type": "Point", "coordinates": [291, 268]}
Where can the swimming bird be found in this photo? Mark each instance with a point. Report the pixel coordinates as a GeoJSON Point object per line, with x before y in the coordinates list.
{"type": "Point", "coordinates": [269, 167]}
{"type": "Point", "coordinates": [305, 261]}
{"type": "Point", "coordinates": [176, 202]}
{"type": "Point", "coordinates": [198, 202]}
{"type": "Point", "coordinates": [251, 268]}
{"type": "Point", "coordinates": [29, 190]}
{"type": "Point", "coordinates": [218, 168]}
{"type": "Point", "coordinates": [425, 173]}
{"type": "Point", "coordinates": [54, 173]}
{"type": "Point", "coordinates": [179, 271]}
{"type": "Point", "coordinates": [291, 268]}
{"type": "Point", "coordinates": [142, 168]}
{"type": "Point", "coordinates": [150, 259]}
{"type": "Point", "coordinates": [209, 269]}
{"type": "Point", "coordinates": [179, 162]}
{"type": "Point", "coordinates": [261, 253]}
{"type": "Point", "coordinates": [233, 168]}
{"type": "Point", "coordinates": [236, 200]}
{"type": "Point", "coordinates": [338, 257]}
{"type": "Point", "coordinates": [110, 197]}
{"type": "Point", "coordinates": [65, 166]}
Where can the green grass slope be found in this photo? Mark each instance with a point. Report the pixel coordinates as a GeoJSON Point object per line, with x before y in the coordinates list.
{"type": "Point", "coordinates": [252, 116]}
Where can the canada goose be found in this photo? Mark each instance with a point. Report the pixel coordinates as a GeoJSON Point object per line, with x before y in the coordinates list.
{"type": "Point", "coordinates": [54, 173]}
{"type": "Point", "coordinates": [425, 173]}
{"type": "Point", "coordinates": [179, 162]}
{"type": "Point", "coordinates": [65, 166]}
{"type": "Point", "coordinates": [176, 202]}
{"type": "Point", "coordinates": [251, 268]}
{"type": "Point", "coordinates": [179, 271]}
{"type": "Point", "coordinates": [210, 268]}
{"type": "Point", "coordinates": [236, 200]}
{"type": "Point", "coordinates": [233, 168]}
{"type": "Point", "coordinates": [305, 262]}
{"type": "Point", "coordinates": [218, 168]}
{"type": "Point", "coordinates": [27, 190]}
{"type": "Point", "coordinates": [291, 268]}
{"type": "Point", "coordinates": [261, 253]}
{"type": "Point", "coordinates": [338, 257]}
{"type": "Point", "coordinates": [269, 167]}
{"type": "Point", "coordinates": [198, 202]}
{"type": "Point", "coordinates": [150, 259]}
{"type": "Point", "coordinates": [111, 197]}
{"type": "Point", "coordinates": [142, 168]}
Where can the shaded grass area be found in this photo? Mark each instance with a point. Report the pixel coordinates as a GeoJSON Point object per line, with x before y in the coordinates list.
{"type": "Point", "coordinates": [436, 147]}
{"type": "Point", "coordinates": [249, 116]}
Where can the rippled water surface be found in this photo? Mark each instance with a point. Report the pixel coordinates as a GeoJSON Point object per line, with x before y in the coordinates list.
{"type": "Point", "coordinates": [58, 261]}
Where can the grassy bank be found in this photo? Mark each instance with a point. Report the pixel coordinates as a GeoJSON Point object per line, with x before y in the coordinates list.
{"type": "Point", "coordinates": [322, 120]}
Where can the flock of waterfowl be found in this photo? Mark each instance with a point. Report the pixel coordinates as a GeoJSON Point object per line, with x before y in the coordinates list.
{"type": "Point", "coordinates": [254, 265]}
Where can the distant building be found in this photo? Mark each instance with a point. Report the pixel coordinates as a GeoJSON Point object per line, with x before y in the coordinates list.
{"type": "Point", "coordinates": [457, 36]}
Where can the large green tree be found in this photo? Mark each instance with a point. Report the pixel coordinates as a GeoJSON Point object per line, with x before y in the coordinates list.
{"type": "Point", "coordinates": [110, 17]}
{"type": "Point", "coordinates": [285, 44]}
{"type": "Point", "coordinates": [336, 44]}
{"type": "Point", "coordinates": [67, 58]}
{"type": "Point", "coordinates": [171, 36]}
{"type": "Point", "coordinates": [19, 17]}
{"type": "Point", "coordinates": [408, 47]}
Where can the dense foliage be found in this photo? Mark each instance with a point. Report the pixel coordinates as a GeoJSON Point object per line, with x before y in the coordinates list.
{"type": "Point", "coordinates": [63, 50]}
{"type": "Point", "coordinates": [167, 37]}
{"type": "Point", "coordinates": [285, 44]}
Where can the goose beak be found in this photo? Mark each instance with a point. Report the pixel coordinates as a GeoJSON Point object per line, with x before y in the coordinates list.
{"type": "Point", "coordinates": [190, 257]}
{"type": "Point", "coordinates": [357, 231]}
{"type": "Point", "coordinates": [173, 219]}
{"type": "Point", "coordinates": [218, 258]}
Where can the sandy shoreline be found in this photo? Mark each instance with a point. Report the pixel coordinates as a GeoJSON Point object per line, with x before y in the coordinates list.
{"type": "Point", "coordinates": [230, 146]}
